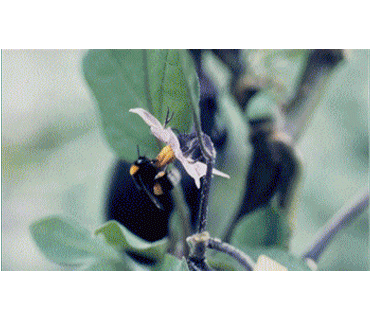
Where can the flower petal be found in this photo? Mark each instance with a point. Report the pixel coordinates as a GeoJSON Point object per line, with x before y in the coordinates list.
{"type": "Point", "coordinates": [220, 173]}
{"type": "Point", "coordinates": [150, 120]}
{"type": "Point", "coordinates": [200, 170]}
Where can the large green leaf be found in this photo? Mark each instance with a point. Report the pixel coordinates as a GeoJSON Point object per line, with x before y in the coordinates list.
{"type": "Point", "coordinates": [117, 236]}
{"type": "Point", "coordinates": [174, 86]}
{"type": "Point", "coordinates": [65, 242]}
{"type": "Point", "coordinates": [156, 80]}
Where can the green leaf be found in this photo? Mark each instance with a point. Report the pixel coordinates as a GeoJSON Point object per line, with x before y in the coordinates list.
{"type": "Point", "coordinates": [116, 78]}
{"type": "Point", "coordinates": [174, 86]}
{"type": "Point", "coordinates": [280, 69]}
{"type": "Point", "coordinates": [117, 236]}
{"type": "Point", "coordinates": [281, 256]}
{"type": "Point", "coordinates": [191, 79]}
{"type": "Point", "coordinates": [65, 242]}
{"type": "Point", "coordinates": [119, 81]}
{"type": "Point", "coordinates": [222, 262]}
{"type": "Point", "coordinates": [263, 227]}
{"type": "Point", "coordinates": [171, 263]}
{"type": "Point", "coordinates": [126, 264]}
{"type": "Point", "coordinates": [60, 241]}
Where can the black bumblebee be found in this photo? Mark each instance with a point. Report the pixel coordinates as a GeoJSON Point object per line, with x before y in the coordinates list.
{"type": "Point", "coordinates": [140, 195]}
{"type": "Point", "coordinates": [150, 175]}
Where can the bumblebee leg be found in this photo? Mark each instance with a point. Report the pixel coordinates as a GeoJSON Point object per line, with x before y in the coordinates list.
{"type": "Point", "coordinates": [151, 196]}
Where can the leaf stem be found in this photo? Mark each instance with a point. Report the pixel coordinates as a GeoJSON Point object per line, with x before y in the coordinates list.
{"type": "Point", "coordinates": [345, 216]}
{"type": "Point", "coordinates": [240, 256]}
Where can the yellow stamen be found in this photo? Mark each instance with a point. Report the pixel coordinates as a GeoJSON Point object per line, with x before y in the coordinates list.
{"type": "Point", "coordinates": [165, 157]}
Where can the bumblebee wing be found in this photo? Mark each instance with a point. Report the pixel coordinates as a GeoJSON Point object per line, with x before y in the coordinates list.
{"type": "Point", "coordinates": [150, 195]}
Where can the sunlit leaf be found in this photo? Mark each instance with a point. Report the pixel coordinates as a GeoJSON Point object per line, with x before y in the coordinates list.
{"type": "Point", "coordinates": [65, 242]}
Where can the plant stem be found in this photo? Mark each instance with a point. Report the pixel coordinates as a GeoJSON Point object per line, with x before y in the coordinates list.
{"type": "Point", "coordinates": [207, 179]}
{"type": "Point", "coordinates": [238, 255]}
{"type": "Point", "coordinates": [199, 132]}
{"type": "Point", "coordinates": [192, 266]}
{"type": "Point", "coordinates": [346, 215]}
{"type": "Point", "coordinates": [204, 198]}
{"type": "Point", "coordinates": [198, 266]}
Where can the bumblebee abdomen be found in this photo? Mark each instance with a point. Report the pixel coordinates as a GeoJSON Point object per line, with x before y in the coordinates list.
{"type": "Point", "coordinates": [133, 208]}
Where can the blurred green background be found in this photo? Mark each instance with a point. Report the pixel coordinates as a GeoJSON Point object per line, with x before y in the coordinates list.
{"type": "Point", "coordinates": [55, 159]}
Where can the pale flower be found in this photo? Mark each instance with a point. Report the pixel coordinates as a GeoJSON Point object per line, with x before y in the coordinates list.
{"type": "Point", "coordinates": [195, 169]}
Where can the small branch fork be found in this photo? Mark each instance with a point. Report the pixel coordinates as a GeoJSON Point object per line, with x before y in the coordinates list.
{"type": "Point", "coordinates": [200, 242]}
{"type": "Point", "coordinates": [339, 221]}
